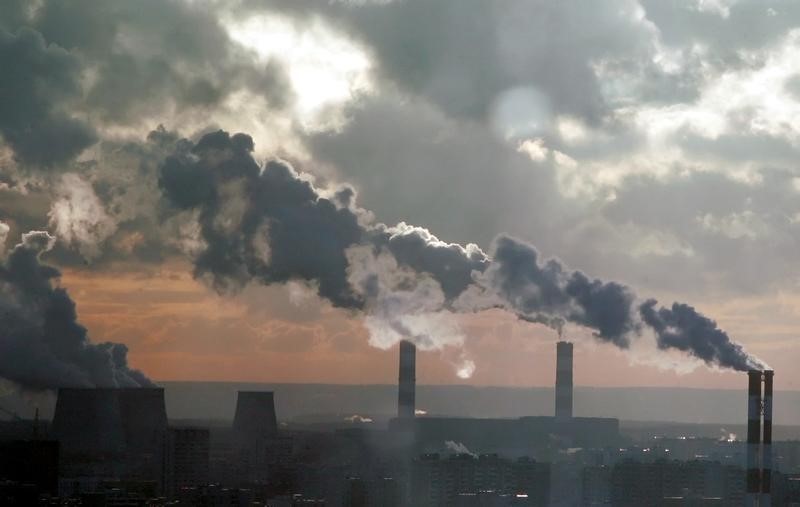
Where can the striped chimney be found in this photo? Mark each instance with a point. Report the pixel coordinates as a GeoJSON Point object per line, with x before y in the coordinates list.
{"type": "Point", "coordinates": [753, 436]}
{"type": "Point", "coordinates": [766, 451]}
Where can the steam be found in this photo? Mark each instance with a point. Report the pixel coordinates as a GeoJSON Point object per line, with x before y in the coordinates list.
{"type": "Point", "coordinates": [271, 224]}
{"type": "Point", "coordinates": [79, 218]}
{"type": "Point", "coordinates": [458, 448]}
{"type": "Point", "coordinates": [4, 228]}
{"type": "Point", "coordinates": [42, 345]}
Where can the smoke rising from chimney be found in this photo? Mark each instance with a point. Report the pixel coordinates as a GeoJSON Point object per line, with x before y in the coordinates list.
{"type": "Point", "coordinates": [272, 225]}
{"type": "Point", "coordinates": [42, 345]}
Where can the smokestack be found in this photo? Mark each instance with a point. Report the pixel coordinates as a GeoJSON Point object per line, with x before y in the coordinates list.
{"type": "Point", "coordinates": [255, 415]}
{"type": "Point", "coordinates": [753, 437]}
{"type": "Point", "coordinates": [563, 379]}
{"type": "Point", "coordinates": [407, 380]}
{"type": "Point", "coordinates": [766, 458]}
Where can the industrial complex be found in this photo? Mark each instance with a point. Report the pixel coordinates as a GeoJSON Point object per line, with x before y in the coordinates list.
{"type": "Point", "coordinates": [119, 447]}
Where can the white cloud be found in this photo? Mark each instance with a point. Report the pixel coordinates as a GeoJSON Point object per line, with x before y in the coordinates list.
{"type": "Point", "coordinates": [744, 225]}
{"type": "Point", "coordinates": [721, 8]}
{"type": "Point", "coordinates": [534, 148]}
{"type": "Point", "coordinates": [4, 228]}
{"type": "Point", "coordinates": [79, 217]}
{"type": "Point", "coordinates": [326, 69]}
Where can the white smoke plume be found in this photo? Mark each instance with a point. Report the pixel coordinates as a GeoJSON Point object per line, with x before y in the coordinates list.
{"type": "Point", "coordinates": [458, 448]}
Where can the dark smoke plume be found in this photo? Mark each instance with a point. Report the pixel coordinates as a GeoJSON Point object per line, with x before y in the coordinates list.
{"type": "Point", "coordinates": [544, 291]}
{"type": "Point", "coordinates": [273, 225]}
{"type": "Point", "coordinates": [42, 345]}
{"type": "Point", "coordinates": [681, 327]}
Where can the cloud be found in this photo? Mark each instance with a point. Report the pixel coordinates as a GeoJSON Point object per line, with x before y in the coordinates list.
{"type": "Point", "coordinates": [4, 228]}
{"type": "Point", "coordinates": [463, 56]}
{"type": "Point", "coordinates": [38, 81]}
{"type": "Point", "coordinates": [78, 217]}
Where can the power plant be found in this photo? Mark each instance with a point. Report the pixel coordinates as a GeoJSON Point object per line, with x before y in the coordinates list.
{"type": "Point", "coordinates": [117, 438]}
{"type": "Point", "coordinates": [521, 436]}
{"type": "Point", "coordinates": [759, 438]}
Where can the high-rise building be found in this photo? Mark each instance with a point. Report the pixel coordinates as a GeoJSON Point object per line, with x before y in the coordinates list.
{"type": "Point", "coordinates": [187, 459]}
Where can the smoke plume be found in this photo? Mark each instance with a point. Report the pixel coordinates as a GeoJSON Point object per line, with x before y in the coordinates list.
{"type": "Point", "coordinates": [42, 345]}
{"type": "Point", "coordinates": [458, 448]}
{"type": "Point", "coordinates": [683, 328]}
{"type": "Point", "coordinates": [271, 224]}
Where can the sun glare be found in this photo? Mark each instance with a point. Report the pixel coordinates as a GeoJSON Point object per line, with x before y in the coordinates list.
{"type": "Point", "coordinates": [325, 68]}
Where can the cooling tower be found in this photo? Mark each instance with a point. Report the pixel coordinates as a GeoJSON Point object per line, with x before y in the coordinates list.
{"type": "Point", "coordinates": [110, 420]}
{"type": "Point", "coordinates": [753, 437]}
{"type": "Point", "coordinates": [144, 417]}
{"type": "Point", "coordinates": [406, 394]}
{"type": "Point", "coordinates": [89, 420]}
{"type": "Point", "coordinates": [563, 380]}
{"type": "Point", "coordinates": [255, 415]}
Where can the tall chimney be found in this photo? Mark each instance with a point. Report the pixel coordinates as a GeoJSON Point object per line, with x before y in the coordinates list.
{"type": "Point", "coordinates": [766, 456]}
{"type": "Point", "coordinates": [563, 379]}
{"type": "Point", "coordinates": [407, 380]}
{"type": "Point", "coordinates": [753, 437]}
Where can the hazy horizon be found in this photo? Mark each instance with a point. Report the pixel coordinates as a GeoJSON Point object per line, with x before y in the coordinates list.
{"type": "Point", "coordinates": [207, 400]}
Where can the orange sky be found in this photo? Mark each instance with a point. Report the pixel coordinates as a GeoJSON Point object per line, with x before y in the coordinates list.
{"type": "Point", "coordinates": [178, 329]}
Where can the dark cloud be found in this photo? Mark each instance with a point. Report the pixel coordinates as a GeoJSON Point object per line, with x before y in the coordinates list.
{"type": "Point", "coordinates": [38, 80]}
{"type": "Point", "coordinates": [747, 25]}
{"type": "Point", "coordinates": [731, 227]}
{"type": "Point", "coordinates": [145, 59]}
{"type": "Point", "coordinates": [411, 163]}
{"type": "Point", "coordinates": [463, 54]}
{"type": "Point", "coordinates": [42, 344]}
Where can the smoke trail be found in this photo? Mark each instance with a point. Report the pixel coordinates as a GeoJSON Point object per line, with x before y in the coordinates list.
{"type": "Point", "coordinates": [273, 225]}
{"type": "Point", "coordinates": [42, 345]}
{"type": "Point", "coordinates": [682, 328]}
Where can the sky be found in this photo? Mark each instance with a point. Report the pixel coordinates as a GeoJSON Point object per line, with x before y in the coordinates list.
{"type": "Point", "coordinates": [280, 190]}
